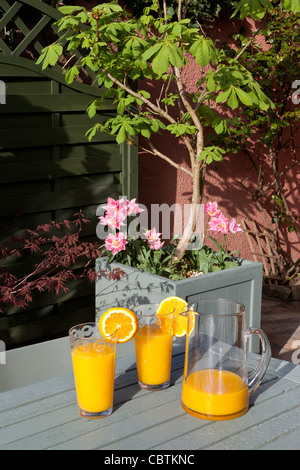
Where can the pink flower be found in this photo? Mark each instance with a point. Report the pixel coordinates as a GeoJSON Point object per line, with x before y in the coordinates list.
{"type": "Point", "coordinates": [219, 224]}
{"type": "Point", "coordinates": [153, 239]}
{"type": "Point", "coordinates": [234, 227]}
{"type": "Point", "coordinates": [111, 204]}
{"type": "Point", "coordinates": [115, 243]}
{"type": "Point", "coordinates": [133, 207]}
{"type": "Point", "coordinates": [156, 245]}
{"type": "Point", "coordinates": [113, 219]}
{"type": "Point", "coordinates": [116, 206]}
{"type": "Point", "coordinates": [116, 212]}
{"type": "Point", "coordinates": [211, 209]}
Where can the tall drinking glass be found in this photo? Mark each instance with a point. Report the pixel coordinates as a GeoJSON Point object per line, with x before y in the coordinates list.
{"type": "Point", "coordinates": [153, 347]}
{"type": "Point", "coordinates": [216, 385]}
{"type": "Point", "coordinates": [93, 358]}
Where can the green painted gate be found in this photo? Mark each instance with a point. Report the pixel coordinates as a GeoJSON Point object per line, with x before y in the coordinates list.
{"type": "Point", "coordinates": [48, 169]}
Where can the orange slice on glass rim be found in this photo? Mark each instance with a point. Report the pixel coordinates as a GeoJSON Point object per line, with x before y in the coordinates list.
{"type": "Point", "coordinates": [119, 319]}
{"type": "Point", "coordinates": [177, 305]}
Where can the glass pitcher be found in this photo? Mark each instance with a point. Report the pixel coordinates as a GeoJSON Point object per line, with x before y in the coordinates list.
{"type": "Point", "coordinates": [216, 385]}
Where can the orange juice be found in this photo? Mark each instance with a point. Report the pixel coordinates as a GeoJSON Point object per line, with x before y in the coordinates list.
{"type": "Point", "coordinates": [153, 347]}
{"type": "Point", "coordinates": [94, 370]}
{"type": "Point", "coordinates": [214, 394]}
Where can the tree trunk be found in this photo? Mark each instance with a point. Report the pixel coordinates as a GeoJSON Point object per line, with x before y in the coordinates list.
{"type": "Point", "coordinates": [190, 227]}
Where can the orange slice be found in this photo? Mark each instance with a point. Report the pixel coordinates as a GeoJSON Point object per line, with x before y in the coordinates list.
{"type": "Point", "coordinates": [119, 319]}
{"type": "Point", "coordinates": [178, 305]}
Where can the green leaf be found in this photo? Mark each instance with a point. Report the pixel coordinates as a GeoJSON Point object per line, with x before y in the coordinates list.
{"type": "Point", "coordinates": [163, 55]}
{"type": "Point", "coordinates": [202, 54]}
{"type": "Point", "coordinates": [211, 84]}
{"type": "Point", "coordinates": [108, 83]}
{"type": "Point", "coordinates": [92, 108]}
{"type": "Point", "coordinates": [121, 107]}
{"type": "Point", "coordinates": [223, 97]}
{"type": "Point", "coordinates": [69, 10]}
{"type": "Point", "coordinates": [121, 136]}
{"type": "Point", "coordinates": [133, 47]}
{"type": "Point", "coordinates": [233, 102]}
{"type": "Point", "coordinates": [219, 125]}
{"type": "Point", "coordinates": [181, 129]}
{"type": "Point", "coordinates": [146, 132]}
{"type": "Point", "coordinates": [203, 261]}
{"type": "Point", "coordinates": [160, 62]}
{"type": "Point", "coordinates": [71, 74]}
{"type": "Point", "coordinates": [209, 154]}
{"type": "Point", "coordinates": [232, 95]}
{"type": "Point", "coordinates": [92, 132]}
{"type": "Point", "coordinates": [204, 51]}
{"type": "Point", "coordinates": [291, 5]}
{"type": "Point", "coordinates": [244, 97]}
{"type": "Point", "coordinates": [175, 55]}
{"type": "Point", "coordinates": [145, 94]}
{"type": "Point", "coordinates": [220, 249]}
{"type": "Point", "coordinates": [50, 55]}
{"type": "Point", "coordinates": [259, 98]}
{"type": "Point", "coordinates": [230, 264]}
{"type": "Point", "coordinates": [256, 9]}
{"type": "Point", "coordinates": [152, 51]}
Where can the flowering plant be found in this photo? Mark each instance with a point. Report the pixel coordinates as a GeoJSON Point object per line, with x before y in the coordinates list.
{"type": "Point", "coordinates": [148, 253]}
{"type": "Point", "coordinates": [218, 223]}
{"type": "Point", "coordinates": [143, 253]}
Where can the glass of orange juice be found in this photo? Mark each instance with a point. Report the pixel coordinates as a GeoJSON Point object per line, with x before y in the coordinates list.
{"type": "Point", "coordinates": [216, 385]}
{"type": "Point", "coordinates": [153, 347]}
{"type": "Point", "coordinates": [93, 359]}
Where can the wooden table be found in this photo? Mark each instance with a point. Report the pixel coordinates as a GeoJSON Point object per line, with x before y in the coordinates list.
{"type": "Point", "coordinates": [44, 415]}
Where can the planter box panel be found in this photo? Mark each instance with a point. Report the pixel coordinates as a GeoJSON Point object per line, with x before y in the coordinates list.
{"type": "Point", "coordinates": [132, 289]}
{"type": "Point", "coordinates": [242, 284]}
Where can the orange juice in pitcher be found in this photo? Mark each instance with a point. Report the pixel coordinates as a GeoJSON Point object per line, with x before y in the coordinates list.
{"type": "Point", "coordinates": [216, 384]}
{"type": "Point", "coordinates": [215, 393]}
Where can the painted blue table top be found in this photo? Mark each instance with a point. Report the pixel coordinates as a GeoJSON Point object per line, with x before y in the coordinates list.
{"type": "Point", "coordinates": [44, 415]}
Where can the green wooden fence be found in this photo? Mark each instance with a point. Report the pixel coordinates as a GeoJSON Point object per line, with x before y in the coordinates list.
{"type": "Point", "coordinates": [48, 169]}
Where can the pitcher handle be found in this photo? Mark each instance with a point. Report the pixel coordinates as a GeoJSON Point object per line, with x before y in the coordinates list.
{"type": "Point", "coordinates": [258, 374]}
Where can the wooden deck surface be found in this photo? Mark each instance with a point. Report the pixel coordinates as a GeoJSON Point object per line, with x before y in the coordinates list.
{"type": "Point", "coordinates": [281, 322]}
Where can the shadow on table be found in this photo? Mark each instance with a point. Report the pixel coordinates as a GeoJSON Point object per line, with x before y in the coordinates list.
{"type": "Point", "coordinates": [272, 376]}
{"type": "Point", "coordinates": [126, 384]}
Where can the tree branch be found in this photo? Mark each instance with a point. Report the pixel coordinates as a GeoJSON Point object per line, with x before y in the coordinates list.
{"type": "Point", "coordinates": [153, 150]}
{"type": "Point", "coordinates": [152, 106]}
{"type": "Point", "coordinates": [179, 14]}
{"type": "Point", "coordinates": [250, 41]}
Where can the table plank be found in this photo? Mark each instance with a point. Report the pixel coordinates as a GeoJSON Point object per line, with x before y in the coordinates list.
{"type": "Point", "coordinates": [287, 442]}
{"type": "Point", "coordinates": [45, 415]}
{"type": "Point", "coordinates": [261, 424]}
{"type": "Point", "coordinates": [39, 415]}
{"type": "Point", "coordinates": [187, 432]}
